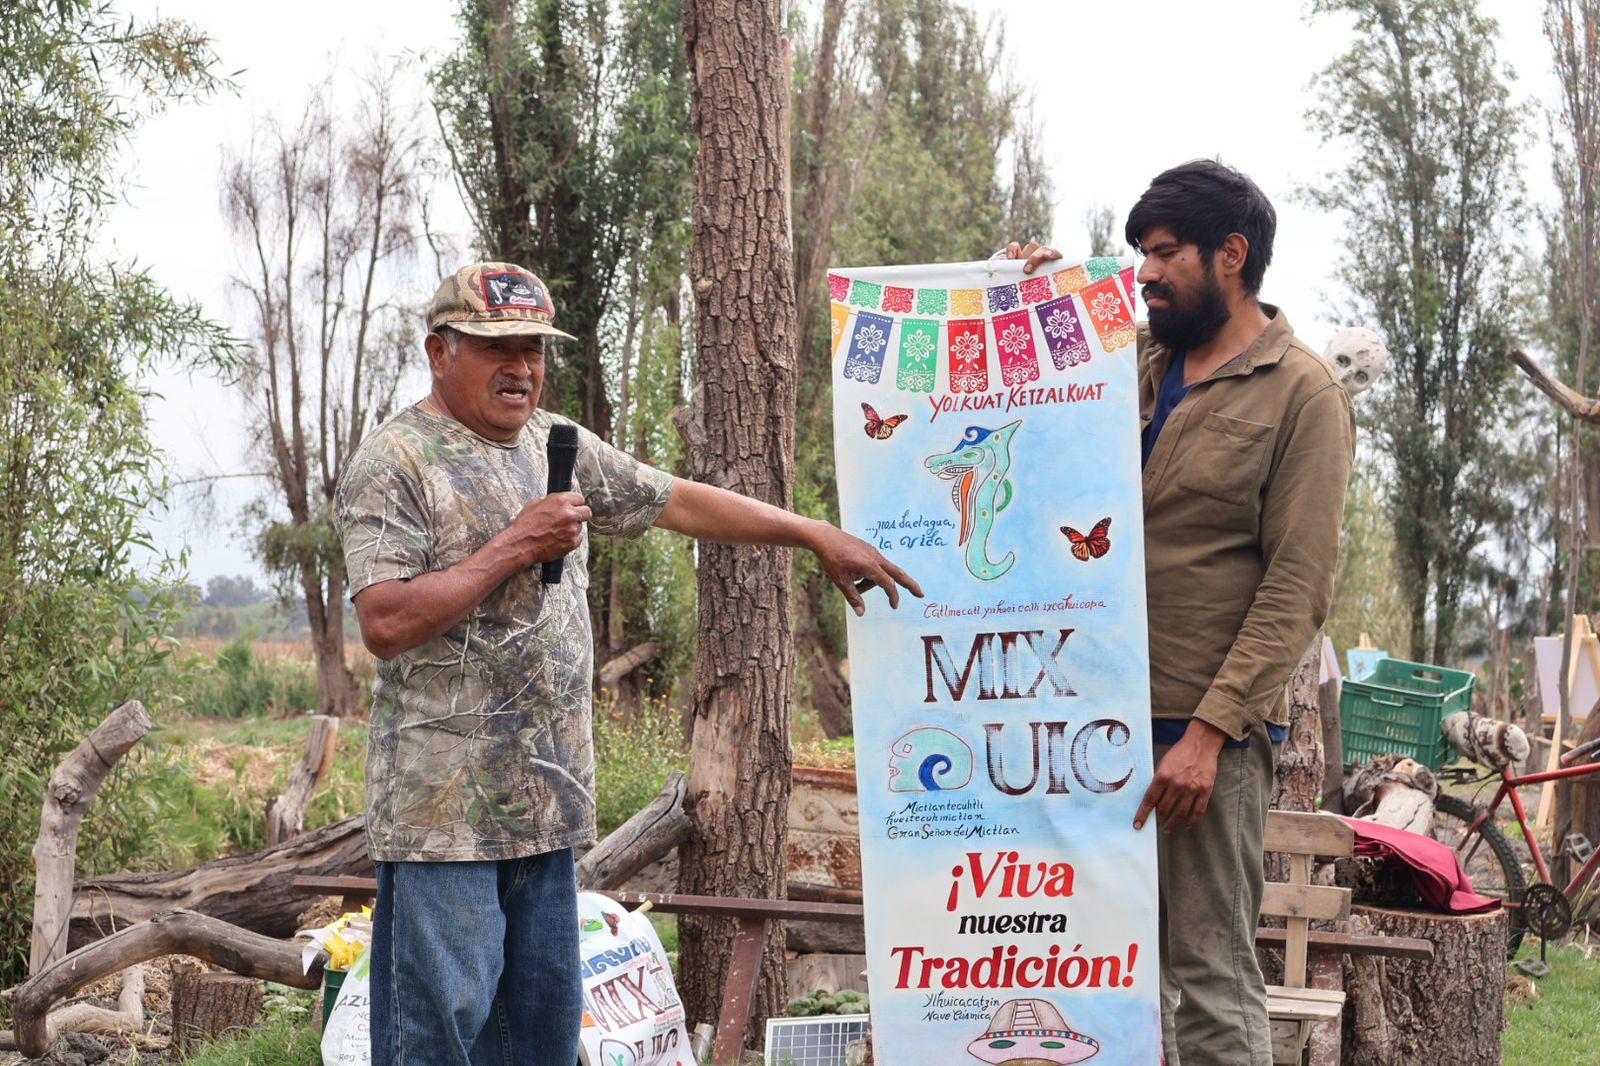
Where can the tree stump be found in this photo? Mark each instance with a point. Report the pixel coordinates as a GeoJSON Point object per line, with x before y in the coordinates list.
{"type": "Point", "coordinates": [206, 1005]}
{"type": "Point", "coordinates": [286, 814]}
{"type": "Point", "coordinates": [1449, 1010]}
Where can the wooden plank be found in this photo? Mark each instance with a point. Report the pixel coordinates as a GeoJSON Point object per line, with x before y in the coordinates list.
{"type": "Point", "coordinates": [1319, 943]}
{"type": "Point", "coordinates": [1305, 901]}
{"type": "Point", "coordinates": [1294, 955]}
{"type": "Point", "coordinates": [336, 886]}
{"type": "Point", "coordinates": [1288, 1039]}
{"type": "Point", "coordinates": [1298, 1009]}
{"type": "Point", "coordinates": [1308, 834]}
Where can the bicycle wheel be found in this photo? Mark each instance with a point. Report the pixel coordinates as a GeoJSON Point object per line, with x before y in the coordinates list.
{"type": "Point", "coordinates": [1495, 870]}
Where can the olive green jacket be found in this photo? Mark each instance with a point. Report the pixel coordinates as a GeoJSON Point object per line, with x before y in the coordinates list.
{"type": "Point", "coordinates": [1243, 502]}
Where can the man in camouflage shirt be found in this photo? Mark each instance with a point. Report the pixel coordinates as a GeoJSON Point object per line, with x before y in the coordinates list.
{"type": "Point", "coordinates": [480, 765]}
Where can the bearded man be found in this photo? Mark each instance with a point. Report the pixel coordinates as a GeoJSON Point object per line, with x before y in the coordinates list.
{"type": "Point", "coordinates": [1248, 440]}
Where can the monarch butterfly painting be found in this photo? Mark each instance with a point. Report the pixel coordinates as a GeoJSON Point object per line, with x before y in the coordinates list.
{"type": "Point", "coordinates": [1092, 546]}
{"type": "Point", "coordinates": [880, 428]}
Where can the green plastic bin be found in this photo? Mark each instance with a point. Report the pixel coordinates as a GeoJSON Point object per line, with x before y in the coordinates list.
{"type": "Point", "coordinates": [1398, 708]}
{"type": "Point", "coordinates": [332, 981]}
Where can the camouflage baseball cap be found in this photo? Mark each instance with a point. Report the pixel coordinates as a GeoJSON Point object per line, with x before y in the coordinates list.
{"type": "Point", "coordinates": [494, 300]}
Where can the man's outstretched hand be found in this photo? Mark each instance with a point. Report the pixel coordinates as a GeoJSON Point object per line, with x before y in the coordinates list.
{"type": "Point", "coordinates": [706, 512]}
{"type": "Point", "coordinates": [1034, 252]}
{"type": "Point", "coordinates": [855, 566]}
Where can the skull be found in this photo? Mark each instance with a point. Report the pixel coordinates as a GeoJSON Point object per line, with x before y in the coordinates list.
{"type": "Point", "coordinates": [1358, 357]}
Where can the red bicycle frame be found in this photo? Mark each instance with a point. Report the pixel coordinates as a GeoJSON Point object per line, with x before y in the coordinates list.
{"type": "Point", "coordinates": [1509, 786]}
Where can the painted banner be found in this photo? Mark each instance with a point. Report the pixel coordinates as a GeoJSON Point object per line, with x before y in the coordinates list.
{"type": "Point", "coordinates": [986, 432]}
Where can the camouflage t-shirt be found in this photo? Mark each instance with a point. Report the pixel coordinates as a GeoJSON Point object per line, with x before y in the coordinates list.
{"type": "Point", "coordinates": [480, 744]}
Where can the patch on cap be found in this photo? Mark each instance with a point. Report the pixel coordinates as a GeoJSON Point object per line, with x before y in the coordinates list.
{"type": "Point", "coordinates": [494, 300]}
{"type": "Point", "coordinates": [513, 289]}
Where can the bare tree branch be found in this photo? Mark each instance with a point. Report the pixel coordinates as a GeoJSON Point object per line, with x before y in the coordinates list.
{"type": "Point", "coordinates": [1577, 405]}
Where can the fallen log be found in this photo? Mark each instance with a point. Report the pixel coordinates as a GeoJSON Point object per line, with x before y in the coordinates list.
{"type": "Point", "coordinates": [68, 795]}
{"type": "Point", "coordinates": [622, 665]}
{"type": "Point", "coordinates": [652, 832]}
{"type": "Point", "coordinates": [128, 1017]}
{"type": "Point", "coordinates": [286, 813]}
{"type": "Point", "coordinates": [178, 932]}
{"type": "Point", "coordinates": [254, 891]}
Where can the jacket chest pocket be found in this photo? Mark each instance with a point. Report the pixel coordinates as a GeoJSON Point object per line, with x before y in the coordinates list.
{"type": "Point", "coordinates": [1224, 458]}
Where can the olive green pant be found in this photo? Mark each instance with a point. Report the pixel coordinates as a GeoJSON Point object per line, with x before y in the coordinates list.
{"type": "Point", "coordinates": [1213, 998]}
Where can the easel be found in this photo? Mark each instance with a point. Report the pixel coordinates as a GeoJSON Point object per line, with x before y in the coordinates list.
{"type": "Point", "coordinates": [1584, 643]}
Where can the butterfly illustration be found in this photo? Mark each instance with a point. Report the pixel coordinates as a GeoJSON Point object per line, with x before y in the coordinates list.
{"type": "Point", "coordinates": [1094, 545]}
{"type": "Point", "coordinates": [880, 428]}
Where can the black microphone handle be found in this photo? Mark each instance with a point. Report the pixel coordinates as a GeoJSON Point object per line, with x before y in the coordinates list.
{"type": "Point", "coordinates": [561, 455]}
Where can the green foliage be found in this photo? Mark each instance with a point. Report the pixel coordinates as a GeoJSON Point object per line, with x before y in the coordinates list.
{"type": "Point", "coordinates": [568, 127]}
{"type": "Point", "coordinates": [204, 814]}
{"type": "Point", "coordinates": [238, 684]}
{"type": "Point", "coordinates": [79, 632]}
{"type": "Point", "coordinates": [904, 122]}
{"type": "Point", "coordinates": [567, 122]}
{"type": "Point", "coordinates": [634, 752]}
{"type": "Point", "coordinates": [1366, 590]}
{"type": "Point", "coordinates": [1422, 110]}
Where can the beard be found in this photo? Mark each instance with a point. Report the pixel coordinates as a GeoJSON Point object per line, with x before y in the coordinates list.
{"type": "Point", "coordinates": [1186, 324]}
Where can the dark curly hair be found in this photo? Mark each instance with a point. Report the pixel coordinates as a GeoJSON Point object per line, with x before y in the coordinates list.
{"type": "Point", "coordinates": [1203, 201]}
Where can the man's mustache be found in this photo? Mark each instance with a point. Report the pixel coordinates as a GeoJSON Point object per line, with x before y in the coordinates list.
{"type": "Point", "coordinates": [1158, 290]}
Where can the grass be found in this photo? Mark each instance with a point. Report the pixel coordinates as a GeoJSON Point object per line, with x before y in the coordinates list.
{"type": "Point", "coordinates": [1562, 1025]}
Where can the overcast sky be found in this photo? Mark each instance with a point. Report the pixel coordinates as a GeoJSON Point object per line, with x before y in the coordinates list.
{"type": "Point", "coordinates": [1121, 91]}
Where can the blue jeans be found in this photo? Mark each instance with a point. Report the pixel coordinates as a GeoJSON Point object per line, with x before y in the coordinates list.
{"type": "Point", "coordinates": [476, 963]}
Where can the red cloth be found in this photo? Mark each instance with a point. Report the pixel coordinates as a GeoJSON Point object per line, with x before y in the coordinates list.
{"type": "Point", "coordinates": [1437, 872]}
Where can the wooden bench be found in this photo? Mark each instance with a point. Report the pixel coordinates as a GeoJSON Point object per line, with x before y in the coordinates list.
{"type": "Point", "coordinates": [1292, 1006]}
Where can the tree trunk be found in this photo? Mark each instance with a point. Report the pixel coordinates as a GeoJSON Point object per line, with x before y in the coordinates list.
{"type": "Point", "coordinates": [1332, 747]}
{"type": "Point", "coordinates": [741, 437]}
{"type": "Point", "coordinates": [341, 695]}
{"type": "Point", "coordinates": [69, 793]}
{"type": "Point", "coordinates": [1298, 778]}
{"type": "Point", "coordinates": [1577, 808]}
{"type": "Point", "coordinates": [207, 1005]}
{"type": "Point", "coordinates": [286, 813]}
{"type": "Point", "coordinates": [1449, 1010]}
{"type": "Point", "coordinates": [253, 891]}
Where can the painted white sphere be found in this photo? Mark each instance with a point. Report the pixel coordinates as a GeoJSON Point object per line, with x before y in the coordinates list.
{"type": "Point", "coordinates": [1358, 357]}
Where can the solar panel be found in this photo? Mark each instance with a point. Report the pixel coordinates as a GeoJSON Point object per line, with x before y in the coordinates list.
{"type": "Point", "coordinates": [829, 1040]}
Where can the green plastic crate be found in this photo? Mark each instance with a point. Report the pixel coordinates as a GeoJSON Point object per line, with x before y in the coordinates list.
{"type": "Point", "coordinates": [1398, 708]}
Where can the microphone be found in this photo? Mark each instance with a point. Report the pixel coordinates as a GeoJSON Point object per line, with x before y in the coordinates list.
{"type": "Point", "coordinates": [561, 454]}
